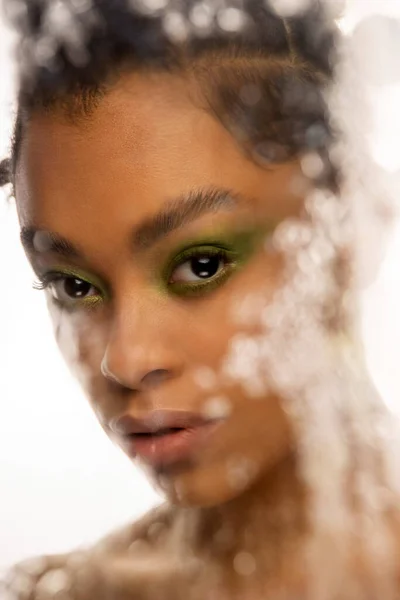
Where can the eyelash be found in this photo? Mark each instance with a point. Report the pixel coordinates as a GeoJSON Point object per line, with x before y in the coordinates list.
{"type": "Point", "coordinates": [43, 282]}
{"type": "Point", "coordinates": [46, 280]}
{"type": "Point", "coordinates": [193, 288]}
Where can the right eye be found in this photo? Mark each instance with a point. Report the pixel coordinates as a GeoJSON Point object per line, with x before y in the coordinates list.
{"type": "Point", "coordinates": [70, 290]}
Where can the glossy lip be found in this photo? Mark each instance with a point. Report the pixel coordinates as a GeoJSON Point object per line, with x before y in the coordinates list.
{"type": "Point", "coordinates": [143, 438]}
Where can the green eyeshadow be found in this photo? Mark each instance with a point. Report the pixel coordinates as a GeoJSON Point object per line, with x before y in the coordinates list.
{"type": "Point", "coordinates": [236, 247]}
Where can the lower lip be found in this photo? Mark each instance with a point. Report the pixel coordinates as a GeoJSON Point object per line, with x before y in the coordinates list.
{"type": "Point", "coordinates": [163, 450]}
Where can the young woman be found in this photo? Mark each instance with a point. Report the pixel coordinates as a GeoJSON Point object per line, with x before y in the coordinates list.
{"type": "Point", "coordinates": [162, 167]}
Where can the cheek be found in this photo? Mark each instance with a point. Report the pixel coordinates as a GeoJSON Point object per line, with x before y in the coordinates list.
{"type": "Point", "coordinates": [82, 344]}
{"type": "Point", "coordinates": [228, 344]}
{"type": "Point", "coordinates": [257, 426]}
{"type": "Point", "coordinates": [235, 315]}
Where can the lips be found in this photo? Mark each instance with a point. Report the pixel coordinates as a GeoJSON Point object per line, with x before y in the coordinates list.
{"type": "Point", "coordinates": [164, 438]}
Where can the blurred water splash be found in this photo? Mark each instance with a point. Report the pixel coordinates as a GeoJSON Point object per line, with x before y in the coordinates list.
{"type": "Point", "coordinates": [344, 426]}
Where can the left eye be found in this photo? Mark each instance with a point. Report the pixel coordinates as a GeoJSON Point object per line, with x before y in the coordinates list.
{"type": "Point", "coordinates": [199, 268]}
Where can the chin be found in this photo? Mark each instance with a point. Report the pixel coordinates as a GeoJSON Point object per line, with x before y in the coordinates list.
{"type": "Point", "coordinates": [201, 487]}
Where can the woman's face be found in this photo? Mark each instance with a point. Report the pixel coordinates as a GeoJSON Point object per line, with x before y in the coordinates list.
{"type": "Point", "coordinates": [149, 227]}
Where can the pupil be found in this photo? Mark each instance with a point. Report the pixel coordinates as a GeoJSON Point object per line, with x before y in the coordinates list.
{"type": "Point", "coordinates": [76, 288]}
{"type": "Point", "coordinates": [206, 266]}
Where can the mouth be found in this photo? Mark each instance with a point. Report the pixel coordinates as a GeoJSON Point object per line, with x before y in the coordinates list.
{"type": "Point", "coordinates": [165, 438]}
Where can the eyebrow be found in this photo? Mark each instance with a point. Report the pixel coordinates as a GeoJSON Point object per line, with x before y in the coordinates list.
{"type": "Point", "coordinates": [180, 212]}
{"type": "Point", "coordinates": [54, 243]}
{"type": "Point", "coordinates": [175, 215]}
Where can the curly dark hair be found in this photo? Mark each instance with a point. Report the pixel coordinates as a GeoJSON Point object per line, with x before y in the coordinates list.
{"type": "Point", "coordinates": [71, 51]}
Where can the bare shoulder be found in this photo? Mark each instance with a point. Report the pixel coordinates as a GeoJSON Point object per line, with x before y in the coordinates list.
{"type": "Point", "coordinates": [131, 563]}
{"type": "Point", "coordinates": [145, 533]}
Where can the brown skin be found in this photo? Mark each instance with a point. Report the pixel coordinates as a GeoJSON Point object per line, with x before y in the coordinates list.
{"type": "Point", "coordinates": [92, 182]}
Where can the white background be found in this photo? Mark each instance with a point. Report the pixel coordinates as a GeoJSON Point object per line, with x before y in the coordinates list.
{"type": "Point", "coordinates": [62, 483]}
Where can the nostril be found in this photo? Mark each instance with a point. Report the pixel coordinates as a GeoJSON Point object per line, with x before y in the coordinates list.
{"type": "Point", "coordinates": [155, 377]}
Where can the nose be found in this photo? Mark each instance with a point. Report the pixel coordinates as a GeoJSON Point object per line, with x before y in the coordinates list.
{"type": "Point", "coordinates": [141, 351]}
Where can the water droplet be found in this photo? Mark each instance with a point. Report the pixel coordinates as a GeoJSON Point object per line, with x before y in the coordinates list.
{"type": "Point", "coordinates": [175, 26]}
{"type": "Point", "coordinates": [289, 8]}
{"type": "Point", "coordinates": [224, 537]}
{"type": "Point", "coordinates": [7, 594]}
{"type": "Point", "coordinates": [250, 94]}
{"type": "Point", "coordinates": [202, 15]}
{"type": "Point", "coordinates": [231, 19]}
{"type": "Point", "coordinates": [34, 566]}
{"type": "Point", "coordinates": [156, 5]}
{"type": "Point", "coordinates": [218, 407]}
{"type": "Point", "coordinates": [17, 10]}
{"type": "Point", "coordinates": [76, 560]}
{"type": "Point", "coordinates": [239, 473]}
{"type": "Point", "coordinates": [82, 5]}
{"type": "Point", "coordinates": [317, 136]}
{"type": "Point", "coordinates": [44, 50]}
{"type": "Point", "coordinates": [244, 564]}
{"type": "Point", "coordinates": [312, 165]}
{"type": "Point", "coordinates": [155, 530]}
{"type": "Point", "coordinates": [268, 152]}
{"type": "Point", "coordinates": [138, 547]}
{"type": "Point", "coordinates": [148, 7]}
{"type": "Point", "coordinates": [21, 584]}
{"type": "Point", "coordinates": [205, 378]}
{"type": "Point", "coordinates": [54, 582]}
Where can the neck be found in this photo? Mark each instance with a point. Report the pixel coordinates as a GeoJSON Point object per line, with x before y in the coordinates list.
{"type": "Point", "coordinates": [260, 531]}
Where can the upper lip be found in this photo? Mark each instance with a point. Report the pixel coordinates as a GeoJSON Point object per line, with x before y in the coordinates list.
{"type": "Point", "coordinates": [156, 421]}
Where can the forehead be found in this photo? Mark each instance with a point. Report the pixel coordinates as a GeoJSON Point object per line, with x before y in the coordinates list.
{"type": "Point", "coordinates": [149, 141]}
